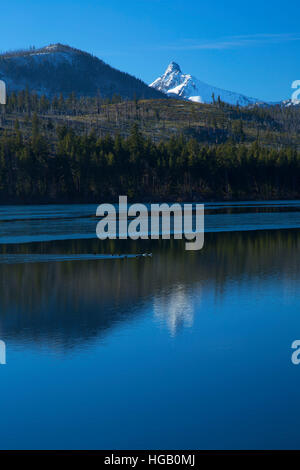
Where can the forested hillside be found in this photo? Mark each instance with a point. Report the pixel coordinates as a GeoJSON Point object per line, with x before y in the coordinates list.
{"type": "Point", "coordinates": [93, 149]}
{"type": "Point", "coordinates": [274, 126]}
{"type": "Point", "coordinates": [59, 68]}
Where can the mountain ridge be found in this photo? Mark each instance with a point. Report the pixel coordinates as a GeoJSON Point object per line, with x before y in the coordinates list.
{"type": "Point", "coordinates": [59, 68]}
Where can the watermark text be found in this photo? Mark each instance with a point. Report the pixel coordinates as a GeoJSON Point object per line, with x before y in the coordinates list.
{"type": "Point", "coordinates": [138, 221]}
{"type": "Point", "coordinates": [2, 353]}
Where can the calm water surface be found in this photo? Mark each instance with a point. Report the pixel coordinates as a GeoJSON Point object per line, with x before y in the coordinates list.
{"type": "Point", "coordinates": [181, 350]}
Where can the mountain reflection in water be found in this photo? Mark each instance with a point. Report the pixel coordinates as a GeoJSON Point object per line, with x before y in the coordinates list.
{"type": "Point", "coordinates": [65, 304]}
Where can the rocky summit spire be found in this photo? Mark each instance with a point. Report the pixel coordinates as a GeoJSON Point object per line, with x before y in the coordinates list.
{"type": "Point", "coordinates": [173, 67]}
{"type": "Point", "coordinates": [185, 86]}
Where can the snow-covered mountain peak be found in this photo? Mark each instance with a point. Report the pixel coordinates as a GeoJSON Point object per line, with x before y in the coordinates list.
{"type": "Point", "coordinates": [173, 67]}
{"type": "Point", "coordinates": [175, 83]}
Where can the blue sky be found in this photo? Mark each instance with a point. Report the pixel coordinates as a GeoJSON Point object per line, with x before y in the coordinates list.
{"type": "Point", "coordinates": [248, 47]}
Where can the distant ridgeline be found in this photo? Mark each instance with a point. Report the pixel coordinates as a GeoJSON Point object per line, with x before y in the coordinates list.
{"type": "Point", "coordinates": [62, 69]}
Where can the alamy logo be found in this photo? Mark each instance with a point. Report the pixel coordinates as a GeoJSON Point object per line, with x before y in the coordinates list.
{"type": "Point", "coordinates": [296, 95]}
{"type": "Point", "coordinates": [2, 353]}
{"type": "Point", "coordinates": [155, 221]}
{"type": "Point", "coordinates": [296, 354]}
{"type": "Point", "coordinates": [2, 92]}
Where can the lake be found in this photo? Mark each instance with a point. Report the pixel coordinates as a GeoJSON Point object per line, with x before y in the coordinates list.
{"type": "Point", "coordinates": [180, 350]}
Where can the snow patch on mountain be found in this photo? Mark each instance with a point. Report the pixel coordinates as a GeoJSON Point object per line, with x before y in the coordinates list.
{"type": "Point", "coordinates": [175, 83]}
